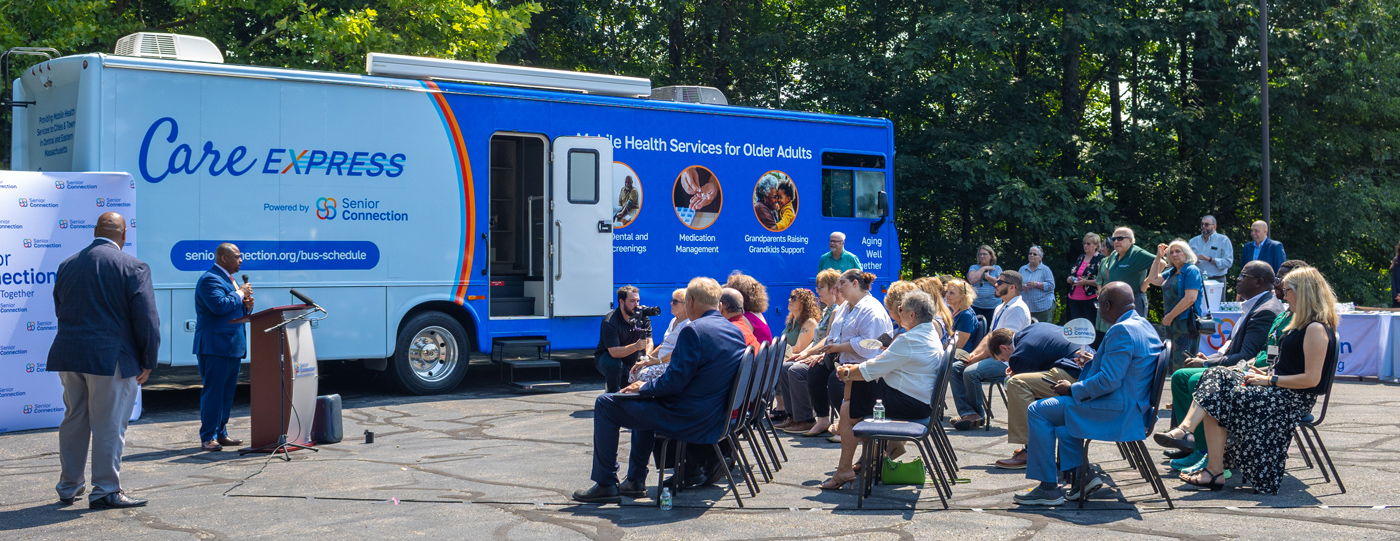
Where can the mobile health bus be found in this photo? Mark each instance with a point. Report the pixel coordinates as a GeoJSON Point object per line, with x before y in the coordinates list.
{"type": "Point", "coordinates": [434, 205]}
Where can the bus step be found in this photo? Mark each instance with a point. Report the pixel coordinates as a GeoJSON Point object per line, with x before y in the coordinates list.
{"type": "Point", "coordinates": [512, 306]}
{"type": "Point", "coordinates": [515, 364]}
{"type": "Point", "coordinates": [542, 385]}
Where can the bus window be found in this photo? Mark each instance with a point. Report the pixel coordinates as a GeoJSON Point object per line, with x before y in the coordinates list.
{"type": "Point", "coordinates": [851, 194]}
{"type": "Point", "coordinates": [583, 176]}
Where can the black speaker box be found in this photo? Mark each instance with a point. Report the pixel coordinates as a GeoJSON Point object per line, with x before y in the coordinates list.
{"type": "Point", "coordinates": [326, 427]}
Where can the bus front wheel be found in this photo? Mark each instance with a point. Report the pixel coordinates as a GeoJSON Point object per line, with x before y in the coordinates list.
{"type": "Point", "coordinates": [431, 356]}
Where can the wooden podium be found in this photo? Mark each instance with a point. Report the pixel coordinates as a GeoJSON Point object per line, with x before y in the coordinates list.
{"type": "Point", "coordinates": [282, 366]}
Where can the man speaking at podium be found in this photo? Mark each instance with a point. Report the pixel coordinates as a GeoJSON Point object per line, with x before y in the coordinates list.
{"type": "Point", "coordinates": [220, 345]}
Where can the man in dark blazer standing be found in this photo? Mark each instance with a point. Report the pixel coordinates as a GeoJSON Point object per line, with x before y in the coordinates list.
{"type": "Point", "coordinates": [219, 344]}
{"type": "Point", "coordinates": [688, 400]}
{"type": "Point", "coordinates": [1263, 248]}
{"type": "Point", "coordinates": [108, 336]}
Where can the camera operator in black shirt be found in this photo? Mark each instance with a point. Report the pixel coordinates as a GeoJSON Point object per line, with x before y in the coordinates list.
{"type": "Point", "coordinates": [623, 336]}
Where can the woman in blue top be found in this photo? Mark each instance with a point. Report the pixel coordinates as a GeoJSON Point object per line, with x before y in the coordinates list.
{"type": "Point", "coordinates": [1183, 291]}
{"type": "Point", "coordinates": [983, 278]}
{"type": "Point", "coordinates": [960, 296]}
{"type": "Point", "coordinates": [1039, 292]}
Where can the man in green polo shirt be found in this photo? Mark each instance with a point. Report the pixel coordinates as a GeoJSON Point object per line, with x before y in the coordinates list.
{"type": "Point", "coordinates": [838, 258]}
{"type": "Point", "coordinates": [1126, 263]}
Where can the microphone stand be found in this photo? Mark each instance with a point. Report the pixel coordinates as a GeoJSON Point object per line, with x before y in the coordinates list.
{"type": "Point", "coordinates": [283, 446]}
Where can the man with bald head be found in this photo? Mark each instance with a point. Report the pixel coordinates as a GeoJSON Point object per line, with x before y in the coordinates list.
{"type": "Point", "coordinates": [1110, 402]}
{"type": "Point", "coordinates": [108, 336]}
{"type": "Point", "coordinates": [219, 344]}
{"type": "Point", "coordinates": [1263, 248]}
{"type": "Point", "coordinates": [731, 306]}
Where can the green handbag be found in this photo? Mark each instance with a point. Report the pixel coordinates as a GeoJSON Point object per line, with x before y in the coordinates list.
{"type": "Point", "coordinates": [902, 473]}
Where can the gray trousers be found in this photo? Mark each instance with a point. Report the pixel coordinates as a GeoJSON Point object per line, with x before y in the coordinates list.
{"type": "Point", "coordinates": [98, 408]}
{"type": "Point", "coordinates": [792, 380]}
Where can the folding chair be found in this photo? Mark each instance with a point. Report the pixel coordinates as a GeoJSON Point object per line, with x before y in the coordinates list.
{"type": "Point", "coordinates": [735, 400]}
{"type": "Point", "coordinates": [1307, 428]}
{"type": "Point", "coordinates": [1136, 451]}
{"type": "Point", "coordinates": [923, 434]}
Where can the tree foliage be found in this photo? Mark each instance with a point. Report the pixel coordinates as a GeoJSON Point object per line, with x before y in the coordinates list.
{"type": "Point", "coordinates": [327, 35]}
{"type": "Point", "coordinates": [1023, 123]}
{"type": "Point", "coordinates": [1018, 122]}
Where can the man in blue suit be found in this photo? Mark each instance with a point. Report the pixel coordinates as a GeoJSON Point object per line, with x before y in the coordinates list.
{"type": "Point", "coordinates": [1263, 248]}
{"type": "Point", "coordinates": [688, 400]}
{"type": "Point", "coordinates": [219, 344]}
{"type": "Point", "coordinates": [108, 336]}
{"type": "Point", "coordinates": [1109, 402]}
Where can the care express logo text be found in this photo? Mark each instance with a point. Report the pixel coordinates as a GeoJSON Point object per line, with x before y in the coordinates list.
{"type": "Point", "coordinates": [161, 157]}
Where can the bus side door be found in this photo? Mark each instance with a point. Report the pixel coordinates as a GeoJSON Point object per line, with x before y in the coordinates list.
{"type": "Point", "coordinates": [581, 227]}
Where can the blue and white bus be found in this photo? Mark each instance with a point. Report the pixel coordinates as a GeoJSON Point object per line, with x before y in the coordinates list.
{"type": "Point", "coordinates": [430, 215]}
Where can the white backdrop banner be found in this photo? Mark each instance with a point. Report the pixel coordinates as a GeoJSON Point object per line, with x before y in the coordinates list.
{"type": "Point", "coordinates": [47, 217]}
{"type": "Point", "coordinates": [1365, 341]}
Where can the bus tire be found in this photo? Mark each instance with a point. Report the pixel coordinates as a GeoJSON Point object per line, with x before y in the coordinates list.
{"type": "Point", "coordinates": [431, 355]}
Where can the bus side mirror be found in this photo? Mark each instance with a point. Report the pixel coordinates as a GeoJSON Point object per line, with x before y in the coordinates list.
{"type": "Point", "coordinates": [883, 200]}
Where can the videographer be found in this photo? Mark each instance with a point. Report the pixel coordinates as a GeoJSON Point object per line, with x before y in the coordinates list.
{"type": "Point", "coordinates": [623, 336]}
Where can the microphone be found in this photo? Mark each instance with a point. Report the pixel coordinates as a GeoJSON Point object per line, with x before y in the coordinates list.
{"type": "Point", "coordinates": [245, 279]}
{"type": "Point", "coordinates": [303, 298]}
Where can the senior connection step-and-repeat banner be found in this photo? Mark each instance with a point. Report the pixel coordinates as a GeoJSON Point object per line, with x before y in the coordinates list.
{"type": "Point", "coordinates": [1366, 342]}
{"type": "Point", "coordinates": [47, 217]}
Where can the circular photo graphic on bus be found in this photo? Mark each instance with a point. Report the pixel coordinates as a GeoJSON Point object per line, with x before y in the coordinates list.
{"type": "Point", "coordinates": [697, 197]}
{"type": "Point", "coordinates": [775, 201]}
{"type": "Point", "coordinates": [627, 192]}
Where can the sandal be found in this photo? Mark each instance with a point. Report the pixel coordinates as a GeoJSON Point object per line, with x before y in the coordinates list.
{"type": "Point", "coordinates": [836, 482]}
{"type": "Point", "coordinates": [1217, 480]}
{"type": "Point", "coordinates": [1165, 439]}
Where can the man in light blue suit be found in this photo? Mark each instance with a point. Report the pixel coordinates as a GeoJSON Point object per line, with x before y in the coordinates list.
{"type": "Point", "coordinates": [219, 344]}
{"type": "Point", "coordinates": [1109, 402]}
{"type": "Point", "coordinates": [686, 403]}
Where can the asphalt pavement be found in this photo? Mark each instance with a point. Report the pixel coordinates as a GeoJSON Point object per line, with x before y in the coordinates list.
{"type": "Point", "coordinates": [489, 462]}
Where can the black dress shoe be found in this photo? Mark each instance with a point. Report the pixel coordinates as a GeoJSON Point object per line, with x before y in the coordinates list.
{"type": "Point", "coordinates": [1177, 454]}
{"type": "Point", "coordinates": [633, 488]}
{"type": "Point", "coordinates": [115, 500]}
{"type": "Point", "coordinates": [598, 494]}
{"type": "Point", "coordinates": [69, 500]}
{"type": "Point", "coordinates": [694, 478]}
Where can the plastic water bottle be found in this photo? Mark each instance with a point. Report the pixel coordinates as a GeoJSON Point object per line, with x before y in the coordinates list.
{"type": "Point", "coordinates": [879, 411]}
{"type": "Point", "coordinates": [665, 498]}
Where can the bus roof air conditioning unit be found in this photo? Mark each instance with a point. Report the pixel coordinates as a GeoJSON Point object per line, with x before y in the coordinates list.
{"type": "Point", "coordinates": [169, 47]}
{"type": "Point", "coordinates": [690, 94]}
{"type": "Point", "coordinates": [418, 67]}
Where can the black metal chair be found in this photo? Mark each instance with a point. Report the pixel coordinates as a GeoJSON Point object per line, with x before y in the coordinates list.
{"type": "Point", "coordinates": [923, 434]}
{"type": "Point", "coordinates": [1136, 451]}
{"type": "Point", "coordinates": [762, 422]}
{"type": "Point", "coordinates": [737, 396]}
{"type": "Point", "coordinates": [1307, 428]}
{"type": "Point", "coordinates": [998, 386]}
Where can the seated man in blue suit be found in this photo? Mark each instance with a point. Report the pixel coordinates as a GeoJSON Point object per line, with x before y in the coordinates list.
{"type": "Point", "coordinates": [689, 399]}
{"type": "Point", "coordinates": [1108, 402]}
{"type": "Point", "coordinates": [218, 344]}
{"type": "Point", "coordinates": [1263, 248]}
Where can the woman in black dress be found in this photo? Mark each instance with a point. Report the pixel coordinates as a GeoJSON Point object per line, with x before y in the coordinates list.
{"type": "Point", "coordinates": [1261, 408]}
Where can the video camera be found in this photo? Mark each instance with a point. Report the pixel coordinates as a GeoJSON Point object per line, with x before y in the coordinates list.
{"type": "Point", "coordinates": [641, 318]}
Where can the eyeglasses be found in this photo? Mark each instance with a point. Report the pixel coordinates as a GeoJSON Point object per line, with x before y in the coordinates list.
{"type": "Point", "coordinates": [674, 301]}
{"type": "Point", "coordinates": [1288, 287]}
{"type": "Point", "coordinates": [1116, 239]}
{"type": "Point", "coordinates": [1004, 282]}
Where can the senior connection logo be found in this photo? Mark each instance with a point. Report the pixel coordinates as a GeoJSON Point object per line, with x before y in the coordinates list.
{"type": "Point", "coordinates": [23, 202]}
{"type": "Point", "coordinates": [325, 208]}
{"type": "Point", "coordinates": [29, 326]}
{"type": "Point", "coordinates": [63, 224]}
{"type": "Point", "coordinates": [101, 201]}
{"type": "Point", "coordinates": [58, 184]}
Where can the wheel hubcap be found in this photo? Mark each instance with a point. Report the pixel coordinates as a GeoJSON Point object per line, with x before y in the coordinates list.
{"type": "Point", "coordinates": [432, 354]}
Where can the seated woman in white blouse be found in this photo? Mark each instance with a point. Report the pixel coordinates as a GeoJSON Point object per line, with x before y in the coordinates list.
{"type": "Point", "coordinates": [902, 376]}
